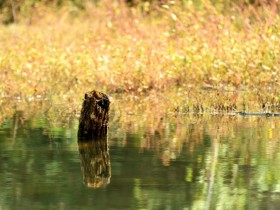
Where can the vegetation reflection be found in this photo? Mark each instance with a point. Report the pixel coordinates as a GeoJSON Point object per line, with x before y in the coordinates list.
{"type": "Point", "coordinates": [211, 160]}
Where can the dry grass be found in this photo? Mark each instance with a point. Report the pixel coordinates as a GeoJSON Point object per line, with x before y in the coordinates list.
{"type": "Point", "coordinates": [188, 58]}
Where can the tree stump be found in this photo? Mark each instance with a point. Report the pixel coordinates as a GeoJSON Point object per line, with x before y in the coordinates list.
{"type": "Point", "coordinates": [95, 163]}
{"type": "Point", "coordinates": [94, 117]}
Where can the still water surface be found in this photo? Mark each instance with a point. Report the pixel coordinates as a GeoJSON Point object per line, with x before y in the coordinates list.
{"type": "Point", "coordinates": [177, 162]}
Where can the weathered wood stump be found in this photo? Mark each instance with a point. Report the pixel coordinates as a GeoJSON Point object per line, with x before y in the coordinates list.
{"type": "Point", "coordinates": [95, 163]}
{"type": "Point", "coordinates": [94, 117]}
{"type": "Point", "coordinates": [92, 140]}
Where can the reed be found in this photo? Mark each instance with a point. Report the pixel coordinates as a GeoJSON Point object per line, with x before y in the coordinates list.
{"type": "Point", "coordinates": [192, 55]}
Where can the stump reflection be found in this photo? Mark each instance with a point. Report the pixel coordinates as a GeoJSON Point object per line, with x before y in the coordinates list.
{"type": "Point", "coordinates": [95, 163]}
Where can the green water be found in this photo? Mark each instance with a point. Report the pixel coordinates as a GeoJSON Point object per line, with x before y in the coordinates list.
{"type": "Point", "coordinates": [179, 162]}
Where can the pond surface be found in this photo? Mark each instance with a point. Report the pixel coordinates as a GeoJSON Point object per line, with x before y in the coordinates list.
{"type": "Point", "coordinates": [176, 162]}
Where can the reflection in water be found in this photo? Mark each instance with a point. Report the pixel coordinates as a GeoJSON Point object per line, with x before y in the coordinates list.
{"type": "Point", "coordinates": [95, 163]}
{"type": "Point", "coordinates": [176, 162]}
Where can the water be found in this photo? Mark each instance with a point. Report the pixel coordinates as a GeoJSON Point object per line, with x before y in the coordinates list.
{"type": "Point", "coordinates": [176, 162]}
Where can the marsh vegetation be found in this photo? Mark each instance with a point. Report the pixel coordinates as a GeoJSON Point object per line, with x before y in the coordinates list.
{"type": "Point", "coordinates": [177, 72]}
{"type": "Point", "coordinates": [184, 55]}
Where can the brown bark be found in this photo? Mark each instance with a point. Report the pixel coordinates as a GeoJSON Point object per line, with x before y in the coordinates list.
{"type": "Point", "coordinates": [94, 117]}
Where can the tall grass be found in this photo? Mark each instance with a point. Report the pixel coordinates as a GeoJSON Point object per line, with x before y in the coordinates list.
{"type": "Point", "coordinates": [190, 57]}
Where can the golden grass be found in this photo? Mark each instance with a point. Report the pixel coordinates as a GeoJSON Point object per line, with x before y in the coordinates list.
{"type": "Point", "coordinates": [187, 58]}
